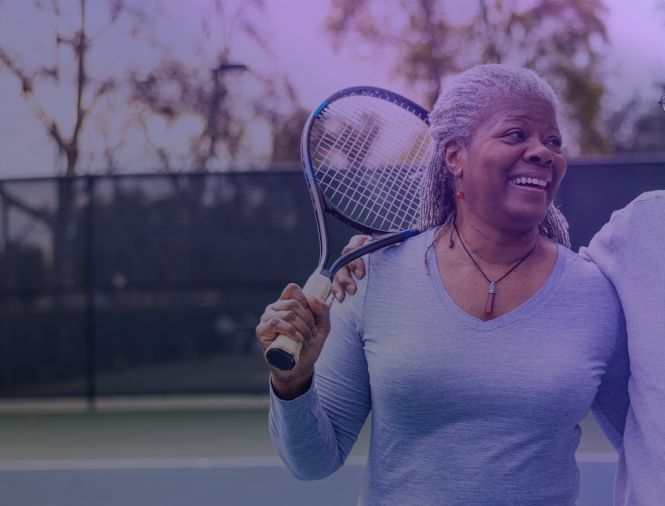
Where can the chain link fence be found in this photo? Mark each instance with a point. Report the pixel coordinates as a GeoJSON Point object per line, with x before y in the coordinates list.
{"type": "Point", "coordinates": [153, 284]}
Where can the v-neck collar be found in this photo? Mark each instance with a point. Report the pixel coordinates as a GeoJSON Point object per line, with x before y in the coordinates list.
{"type": "Point", "coordinates": [540, 296]}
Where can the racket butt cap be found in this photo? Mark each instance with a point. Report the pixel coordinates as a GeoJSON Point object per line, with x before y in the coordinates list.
{"type": "Point", "coordinates": [280, 359]}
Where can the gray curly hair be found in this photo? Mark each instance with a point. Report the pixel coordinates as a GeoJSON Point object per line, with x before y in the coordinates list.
{"type": "Point", "coordinates": [458, 112]}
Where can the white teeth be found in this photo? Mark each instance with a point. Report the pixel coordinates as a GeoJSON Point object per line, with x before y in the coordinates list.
{"type": "Point", "coordinates": [530, 181]}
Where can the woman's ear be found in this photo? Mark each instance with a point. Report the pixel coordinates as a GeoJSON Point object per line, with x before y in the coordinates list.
{"type": "Point", "coordinates": [453, 155]}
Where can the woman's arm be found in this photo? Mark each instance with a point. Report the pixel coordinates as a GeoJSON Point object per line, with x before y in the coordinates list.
{"type": "Point", "coordinates": [314, 432]}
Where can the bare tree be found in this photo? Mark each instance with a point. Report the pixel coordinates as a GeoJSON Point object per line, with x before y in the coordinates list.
{"type": "Point", "coordinates": [221, 96]}
{"type": "Point", "coordinates": [88, 90]}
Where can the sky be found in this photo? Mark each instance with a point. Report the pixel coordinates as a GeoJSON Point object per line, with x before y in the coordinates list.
{"type": "Point", "coordinates": [299, 48]}
{"type": "Point", "coordinates": [636, 29]}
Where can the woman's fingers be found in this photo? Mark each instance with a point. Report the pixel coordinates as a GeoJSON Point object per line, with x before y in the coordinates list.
{"type": "Point", "coordinates": [358, 268]}
{"type": "Point", "coordinates": [355, 242]}
{"type": "Point", "coordinates": [290, 310]}
{"type": "Point", "coordinates": [344, 281]}
{"type": "Point", "coordinates": [293, 298]}
{"type": "Point", "coordinates": [291, 317]}
{"type": "Point", "coordinates": [321, 313]}
{"type": "Point", "coordinates": [268, 330]}
{"type": "Point", "coordinates": [294, 316]}
{"type": "Point", "coordinates": [304, 320]}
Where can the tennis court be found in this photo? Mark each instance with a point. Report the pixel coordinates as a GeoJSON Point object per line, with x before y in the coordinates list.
{"type": "Point", "coordinates": [210, 453]}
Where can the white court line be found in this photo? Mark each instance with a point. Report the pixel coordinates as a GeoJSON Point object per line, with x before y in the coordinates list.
{"type": "Point", "coordinates": [156, 463]}
{"type": "Point", "coordinates": [108, 404]}
{"type": "Point", "coordinates": [597, 457]}
{"type": "Point", "coordinates": [200, 463]}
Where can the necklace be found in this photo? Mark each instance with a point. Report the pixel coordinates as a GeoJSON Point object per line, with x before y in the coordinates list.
{"type": "Point", "coordinates": [489, 306]}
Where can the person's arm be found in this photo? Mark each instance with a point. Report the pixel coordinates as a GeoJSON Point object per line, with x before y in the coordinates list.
{"type": "Point", "coordinates": [629, 252]}
{"type": "Point", "coordinates": [315, 431]}
{"type": "Point", "coordinates": [610, 406]}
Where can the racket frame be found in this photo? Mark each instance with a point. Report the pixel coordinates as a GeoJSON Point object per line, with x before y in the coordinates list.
{"type": "Point", "coordinates": [283, 352]}
{"type": "Point", "coordinates": [320, 203]}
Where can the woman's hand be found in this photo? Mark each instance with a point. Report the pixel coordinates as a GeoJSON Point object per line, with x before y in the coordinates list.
{"type": "Point", "coordinates": [343, 281]}
{"type": "Point", "coordinates": [306, 320]}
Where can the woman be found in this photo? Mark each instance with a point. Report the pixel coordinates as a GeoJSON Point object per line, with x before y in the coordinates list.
{"type": "Point", "coordinates": [472, 343]}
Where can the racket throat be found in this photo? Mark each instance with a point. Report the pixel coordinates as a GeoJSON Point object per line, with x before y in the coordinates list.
{"type": "Point", "coordinates": [318, 285]}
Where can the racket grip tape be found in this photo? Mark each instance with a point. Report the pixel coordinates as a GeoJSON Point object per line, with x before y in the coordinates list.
{"type": "Point", "coordinates": [283, 353]}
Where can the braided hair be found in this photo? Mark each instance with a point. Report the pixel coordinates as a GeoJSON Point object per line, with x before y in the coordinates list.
{"type": "Point", "coordinates": [456, 116]}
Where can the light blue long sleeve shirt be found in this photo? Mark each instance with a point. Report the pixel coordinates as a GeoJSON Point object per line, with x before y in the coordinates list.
{"type": "Point", "coordinates": [630, 250]}
{"type": "Point", "coordinates": [464, 411]}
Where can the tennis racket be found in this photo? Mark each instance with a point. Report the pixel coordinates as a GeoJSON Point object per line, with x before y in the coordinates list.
{"type": "Point", "coordinates": [364, 151]}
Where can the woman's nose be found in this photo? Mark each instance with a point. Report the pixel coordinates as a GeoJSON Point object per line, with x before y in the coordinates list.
{"type": "Point", "coordinates": [538, 153]}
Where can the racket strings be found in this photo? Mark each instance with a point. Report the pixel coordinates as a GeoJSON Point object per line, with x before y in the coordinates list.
{"type": "Point", "coordinates": [400, 195]}
{"type": "Point", "coordinates": [369, 159]}
{"type": "Point", "coordinates": [353, 143]}
{"type": "Point", "coordinates": [369, 206]}
{"type": "Point", "coordinates": [385, 194]}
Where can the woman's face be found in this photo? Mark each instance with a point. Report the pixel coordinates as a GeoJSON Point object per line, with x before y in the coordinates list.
{"type": "Point", "coordinates": [512, 170]}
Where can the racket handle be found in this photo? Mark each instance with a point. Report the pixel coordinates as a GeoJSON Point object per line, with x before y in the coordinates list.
{"type": "Point", "coordinates": [283, 353]}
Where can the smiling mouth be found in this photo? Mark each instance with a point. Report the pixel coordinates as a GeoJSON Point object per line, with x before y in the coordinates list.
{"type": "Point", "coordinates": [529, 182]}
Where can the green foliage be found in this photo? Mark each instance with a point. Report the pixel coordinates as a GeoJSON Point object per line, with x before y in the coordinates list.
{"type": "Point", "coordinates": [564, 40]}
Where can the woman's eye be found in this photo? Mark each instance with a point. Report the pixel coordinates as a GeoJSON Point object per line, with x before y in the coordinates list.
{"type": "Point", "coordinates": [554, 141]}
{"type": "Point", "coordinates": [517, 135]}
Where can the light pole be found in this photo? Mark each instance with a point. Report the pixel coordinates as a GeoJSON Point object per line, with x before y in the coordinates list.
{"type": "Point", "coordinates": [225, 67]}
{"type": "Point", "coordinates": [217, 96]}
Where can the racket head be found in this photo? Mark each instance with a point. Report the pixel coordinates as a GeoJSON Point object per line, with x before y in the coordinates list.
{"type": "Point", "coordinates": [364, 152]}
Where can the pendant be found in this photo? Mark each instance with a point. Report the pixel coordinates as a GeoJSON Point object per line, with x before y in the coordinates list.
{"type": "Point", "coordinates": [489, 307]}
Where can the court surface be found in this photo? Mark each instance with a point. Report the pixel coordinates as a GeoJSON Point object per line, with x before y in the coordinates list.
{"type": "Point", "coordinates": [190, 456]}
